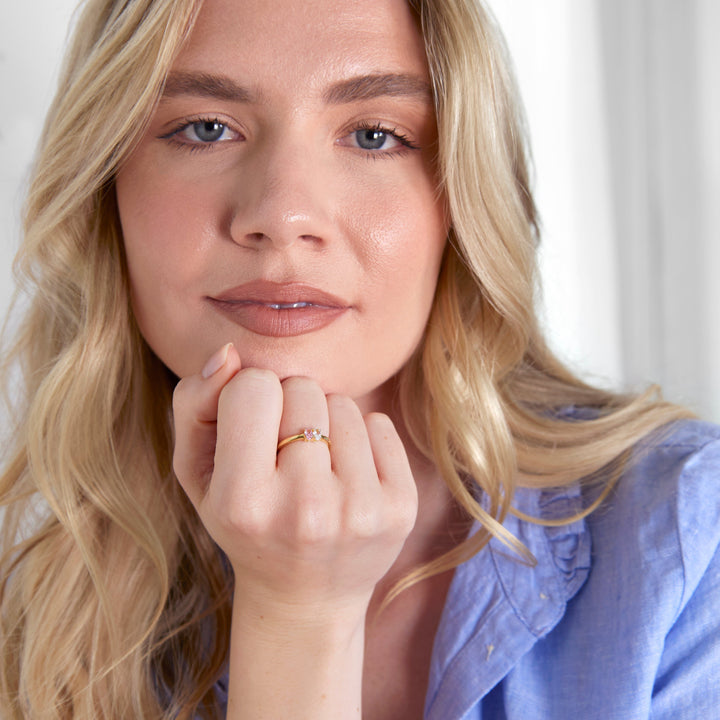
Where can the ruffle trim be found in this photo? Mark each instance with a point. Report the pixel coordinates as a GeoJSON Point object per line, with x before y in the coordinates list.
{"type": "Point", "coordinates": [570, 544]}
{"type": "Point", "coordinates": [538, 595]}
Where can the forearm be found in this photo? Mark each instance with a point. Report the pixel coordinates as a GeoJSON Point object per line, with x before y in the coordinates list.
{"type": "Point", "coordinates": [295, 667]}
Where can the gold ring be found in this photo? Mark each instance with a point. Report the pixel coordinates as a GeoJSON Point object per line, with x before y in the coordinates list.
{"type": "Point", "coordinates": [307, 435]}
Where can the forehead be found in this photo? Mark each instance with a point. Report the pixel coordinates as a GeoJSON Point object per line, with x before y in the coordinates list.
{"type": "Point", "coordinates": [303, 43]}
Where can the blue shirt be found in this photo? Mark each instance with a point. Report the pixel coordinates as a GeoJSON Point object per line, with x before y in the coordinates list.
{"type": "Point", "coordinates": [619, 619]}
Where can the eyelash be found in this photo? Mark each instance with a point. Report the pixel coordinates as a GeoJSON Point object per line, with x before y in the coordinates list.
{"type": "Point", "coordinates": [405, 142]}
{"type": "Point", "coordinates": [192, 146]}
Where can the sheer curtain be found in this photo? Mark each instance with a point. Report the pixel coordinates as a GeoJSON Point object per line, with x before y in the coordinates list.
{"type": "Point", "coordinates": [624, 110]}
{"type": "Point", "coordinates": [661, 60]}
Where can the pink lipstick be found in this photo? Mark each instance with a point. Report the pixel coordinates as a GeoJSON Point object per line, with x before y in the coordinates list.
{"type": "Point", "coordinates": [279, 309]}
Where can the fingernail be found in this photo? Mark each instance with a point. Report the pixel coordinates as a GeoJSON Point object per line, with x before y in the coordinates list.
{"type": "Point", "coordinates": [216, 361]}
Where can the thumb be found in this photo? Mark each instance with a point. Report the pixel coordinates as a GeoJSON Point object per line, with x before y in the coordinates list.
{"type": "Point", "coordinates": [195, 410]}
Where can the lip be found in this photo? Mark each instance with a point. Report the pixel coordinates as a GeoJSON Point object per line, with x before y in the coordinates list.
{"type": "Point", "coordinates": [279, 309]}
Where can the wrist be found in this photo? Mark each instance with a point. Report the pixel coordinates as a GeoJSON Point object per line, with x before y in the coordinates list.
{"type": "Point", "coordinates": [300, 664]}
{"type": "Point", "coordinates": [314, 623]}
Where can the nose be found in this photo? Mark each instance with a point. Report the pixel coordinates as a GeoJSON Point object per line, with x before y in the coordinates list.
{"type": "Point", "coordinates": [282, 197]}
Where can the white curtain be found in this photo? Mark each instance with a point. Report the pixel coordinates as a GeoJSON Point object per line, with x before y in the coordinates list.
{"type": "Point", "coordinates": [623, 102]}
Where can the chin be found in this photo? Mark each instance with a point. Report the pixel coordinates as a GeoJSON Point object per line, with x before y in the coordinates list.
{"type": "Point", "coordinates": [284, 365]}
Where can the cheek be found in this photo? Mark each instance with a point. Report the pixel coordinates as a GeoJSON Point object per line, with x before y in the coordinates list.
{"type": "Point", "coordinates": [403, 238]}
{"type": "Point", "coordinates": [166, 231]}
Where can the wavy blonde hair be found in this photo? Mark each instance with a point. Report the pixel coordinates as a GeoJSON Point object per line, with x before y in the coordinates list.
{"type": "Point", "coordinates": [484, 396]}
{"type": "Point", "coordinates": [114, 600]}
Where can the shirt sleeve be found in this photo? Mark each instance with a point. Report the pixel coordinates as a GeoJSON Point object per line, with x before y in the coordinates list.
{"type": "Point", "coordinates": [688, 679]}
{"type": "Point", "coordinates": [687, 683]}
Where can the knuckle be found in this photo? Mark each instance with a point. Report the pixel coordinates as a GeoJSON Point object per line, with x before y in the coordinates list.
{"type": "Point", "coordinates": [402, 506]}
{"type": "Point", "coordinates": [406, 515]}
{"type": "Point", "coordinates": [407, 523]}
{"type": "Point", "coordinates": [340, 401]}
{"type": "Point", "coordinates": [300, 384]}
{"type": "Point", "coordinates": [256, 379]}
{"type": "Point", "coordinates": [380, 424]}
{"type": "Point", "coordinates": [344, 413]}
{"type": "Point", "coordinates": [238, 517]}
{"type": "Point", "coordinates": [305, 390]}
{"type": "Point", "coordinates": [342, 405]}
{"type": "Point", "coordinates": [378, 419]}
{"type": "Point", "coordinates": [314, 524]}
{"type": "Point", "coordinates": [363, 524]}
{"type": "Point", "coordinates": [250, 383]}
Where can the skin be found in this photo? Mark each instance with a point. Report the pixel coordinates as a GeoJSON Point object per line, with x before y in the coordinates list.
{"type": "Point", "coordinates": [288, 196]}
{"type": "Point", "coordinates": [289, 189]}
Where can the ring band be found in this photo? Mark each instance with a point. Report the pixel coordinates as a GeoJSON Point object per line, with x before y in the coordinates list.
{"type": "Point", "coordinates": [307, 435]}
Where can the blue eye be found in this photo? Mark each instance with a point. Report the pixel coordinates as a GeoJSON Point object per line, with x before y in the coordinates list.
{"type": "Point", "coordinates": [378, 140]}
{"type": "Point", "coordinates": [374, 139]}
{"type": "Point", "coordinates": [202, 133]}
{"type": "Point", "coordinates": [207, 130]}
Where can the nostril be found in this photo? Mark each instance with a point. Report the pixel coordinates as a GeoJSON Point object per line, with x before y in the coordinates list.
{"type": "Point", "coordinates": [256, 236]}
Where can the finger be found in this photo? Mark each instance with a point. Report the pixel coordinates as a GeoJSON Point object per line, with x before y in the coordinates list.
{"type": "Point", "coordinates": [304, 408]}
{"type": "Point", "coordinates": [351, 454]}
{"type": "Point", "coordinates": [248, 418]}
{"type": "Point", "coordinates": [195, 407]}
{"type": "Point", "coordinates": [393, 468]}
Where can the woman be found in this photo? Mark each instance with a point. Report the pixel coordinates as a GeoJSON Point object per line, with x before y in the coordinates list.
{"type": "Point", "coordinates": [392, 499]}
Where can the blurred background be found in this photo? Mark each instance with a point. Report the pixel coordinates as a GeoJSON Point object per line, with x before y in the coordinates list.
{"type": "Point", "coordinates": [623, 104]}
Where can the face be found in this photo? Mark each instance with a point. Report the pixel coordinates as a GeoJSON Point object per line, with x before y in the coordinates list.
{"type": "Point", "coordinates": [284, 196]}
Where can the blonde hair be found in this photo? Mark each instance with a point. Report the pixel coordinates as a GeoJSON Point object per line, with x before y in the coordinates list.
{"type": "Point", "coordinates": [115, 603]}
{"type": "Point", "coordinates": [483, 395]}
{"type": "Point", "coordinates": [114, 600]}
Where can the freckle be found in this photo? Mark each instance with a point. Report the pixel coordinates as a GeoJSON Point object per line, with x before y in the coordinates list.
{"type": "Point", "coordinates": [262, 617]}
{"type": "Point", "coordinates": [490, 649]}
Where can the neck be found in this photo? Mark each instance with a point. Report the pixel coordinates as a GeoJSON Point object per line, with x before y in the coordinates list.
{"type": "Point", "coordinates": [440, 524]}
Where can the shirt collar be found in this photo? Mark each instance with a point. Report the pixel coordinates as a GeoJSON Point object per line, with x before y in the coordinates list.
{"type": "Point", "coordinates": [498, 607]}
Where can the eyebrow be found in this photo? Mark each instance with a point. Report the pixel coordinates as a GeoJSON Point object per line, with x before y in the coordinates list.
{"type": "Point", "coordinates": [219, 87]}
{"type": "Point", "coordinates": [355, 89]}
{"type": "Point", "coordinates": [367, 87]}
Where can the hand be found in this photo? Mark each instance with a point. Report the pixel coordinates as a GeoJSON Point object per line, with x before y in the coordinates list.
{"type": "Point", "coordinates": [309, 530]}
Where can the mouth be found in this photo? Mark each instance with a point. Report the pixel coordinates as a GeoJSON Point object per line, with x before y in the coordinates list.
{"type": "Point", "coordinates": [279, 309]}
{"type": "Point", "coordinates": [291, 306]}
